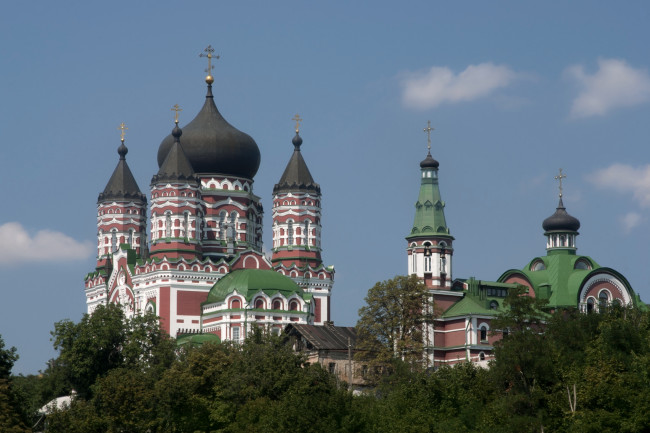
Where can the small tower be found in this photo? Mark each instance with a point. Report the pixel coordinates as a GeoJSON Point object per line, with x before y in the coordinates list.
{"type": "Point", "coordinates": [121, 211]}
{"type": "Point", "coordinates": [430, 247]}
{"type": "Point", "coordinates": [561, 229]}
{"type": "Point", "coordinates": [176, 226]}
{"type": "Point", "coordinates": [297, 230]}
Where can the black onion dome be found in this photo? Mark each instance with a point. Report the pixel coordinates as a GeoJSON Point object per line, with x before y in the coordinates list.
{"type": "Point", "coordinates": [429, 162]}
{"type": "Point", "coordinates": [296, 177]}
{"type": "Point", "coordinates": [561, 220]}
{"type": "Point", "coordinates": [122, 184]}
{"type": "Point", "coordinates": [213, 145]}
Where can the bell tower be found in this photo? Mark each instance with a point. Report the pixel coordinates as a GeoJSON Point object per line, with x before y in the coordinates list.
{"type": "Point", "coordinates": [430, 244]}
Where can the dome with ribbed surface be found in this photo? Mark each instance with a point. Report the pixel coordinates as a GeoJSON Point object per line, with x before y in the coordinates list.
{"type": "Point", "coordinates": [214, 146]}
{"type": "Point", "coordinates": [561, 220]}
{"type": "Point", "coordinates": [429, 162]}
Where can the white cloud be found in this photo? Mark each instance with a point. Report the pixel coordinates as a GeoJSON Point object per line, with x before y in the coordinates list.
{"type": "Point", "coordinates": [428, 89]}
{"type": "Point", "coordinates": [18, 246]}
{"type": "Point", "coordinates": [630, 221]}
{"type": "Point", "coordinates": [625, 178]}
{"type": "Point", "coordinates": [614, 85]}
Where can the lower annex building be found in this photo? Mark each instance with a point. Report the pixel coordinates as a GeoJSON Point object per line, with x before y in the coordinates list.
{"type": "Point", "coordinates": [465, 307]}
{"type": "Point", "coordinates": [202, 270]}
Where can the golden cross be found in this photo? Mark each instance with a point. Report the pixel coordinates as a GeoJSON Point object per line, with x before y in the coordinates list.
{"type": "Point", "coordinates": [123, 128]}
{"type": "Point", "coordinates": [560, 177]}
{"type": "Point", "coordinates": [209, 50]}
{"type": "Point", "coordinates": [176, 109]}
{"type": "Point", "coordinates": [428, 130]}
{"type": "Point", "coordinates": [298, 119]}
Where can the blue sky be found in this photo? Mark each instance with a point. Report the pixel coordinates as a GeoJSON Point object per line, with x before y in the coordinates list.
{"type": "Point", "coordinates": [515, 90]}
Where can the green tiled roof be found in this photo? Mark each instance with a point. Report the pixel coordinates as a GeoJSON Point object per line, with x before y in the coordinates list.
{"type": "Point", "coordinates": [248, 282]}
{"type": "Point", "coordinates": [429, 210]}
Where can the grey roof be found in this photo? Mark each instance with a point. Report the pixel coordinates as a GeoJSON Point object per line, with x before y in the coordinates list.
{"type": "Point", "coordinates": [325, 337]}
{"type": "Point", "coordinates": [561, 220]}
{"type": "Point", "coordinates": [122, 184]}
{"type": "Point", "coordinates": [296, 176]}
{"type": "Point", "coordinates": [176, 166]}
{"type": "Point", "coordinates": [213, 145]}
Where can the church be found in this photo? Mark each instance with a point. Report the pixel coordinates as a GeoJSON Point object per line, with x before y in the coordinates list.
{"type": "Point", "coordinates": [466, 307]}
{"type": "Point", "coordinates": [203, 270]}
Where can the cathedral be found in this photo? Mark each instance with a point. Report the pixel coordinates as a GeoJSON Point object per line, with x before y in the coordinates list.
{"type": "Point", "coordinates": [466, 307]}
{"type": "Point", "coordinates": [202, 269]}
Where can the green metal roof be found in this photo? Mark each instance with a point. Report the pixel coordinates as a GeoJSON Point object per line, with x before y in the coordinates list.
{"type": "Point", "coordinates": [197, 339]}
{"type": "Point", "coordinates": [248, 282]}
{"type": "Point", "coordinates": [429, 209]}
{"type": "Point", "coordinates": [560, 282]}
{"type": "Point", "coordinates": [468, 306]}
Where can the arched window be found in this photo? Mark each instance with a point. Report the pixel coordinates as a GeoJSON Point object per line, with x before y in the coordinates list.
{"type": "Point", "coordinates": [494, 305]}
{"type": "Point", "coordinates": [168, 226]}
{"type": "Point", "coordinates": [198, 233]}
{"type": "Point", "coordinates": [427, 257]}
{"type": "Point", "coordinates": [130, 237]}
{"type": "Point", "coordinates": [259, 303]}
{"type": "Point", "coordinates": [481, 356]}
{"type": "Point", "coordinates": [483, 333]}
{"type": "Point", "coordinates": [277, 304]}
{"type": "Point", "coordinates": [290, 233]}
{"type": "Point", "coordinates": [590, 305]}
{"type": "Point", "coordinates": [603, 299]}
{"type": "Point", "coordinates": [222, 225]}
{"type": "Point", "coordinates": [186, 225]}
{"type": "Point", "coordinates": [235, 304]}
{"type": "Point", "coordinates": [293, 306]}
{"type": "Point", "coordinates": [113, 240]}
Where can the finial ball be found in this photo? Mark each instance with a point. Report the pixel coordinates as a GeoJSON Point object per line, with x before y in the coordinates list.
{"type": "Point", "coordinates": [209, 79]}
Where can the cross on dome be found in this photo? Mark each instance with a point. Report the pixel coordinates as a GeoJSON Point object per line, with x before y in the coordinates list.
{"type": "Point", "coordinates": [176, 109]}
{"type": "Point", "coordinates": [298, 119]}
{"type": "Point", "coordinates": [209, 54]}
{"type": "Point", "coordinates": [122, 127]}
{"type": "Point", "coordinates": [559, 178]}
{"type": "Point", "coordinates": [428, 130]}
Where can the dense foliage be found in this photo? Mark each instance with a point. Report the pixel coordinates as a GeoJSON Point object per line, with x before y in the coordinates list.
{"type": "Point", "coordinates": [581, 373]}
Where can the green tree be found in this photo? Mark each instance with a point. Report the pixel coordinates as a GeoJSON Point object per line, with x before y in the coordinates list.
{"type": "Point", "coordinates": [11, 417]}
{"type": "Point", "coordinates": [523, 369]}
{"type": "Point", "coordinates": [107, 340]}
{"type": "Point", "coordinates": [393, 323]}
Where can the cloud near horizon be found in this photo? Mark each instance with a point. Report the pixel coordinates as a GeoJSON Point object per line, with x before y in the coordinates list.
{"type": "Point", "coordinates": [625, 178]}
{"type": "Point", "coordinates": [630, 221]}
{"type": "Point", "coordinates": [18, 246]}
{"type": "Point", "coordinates": [614, 85]}
{"type": "Point", "coordinates": [428, 89]}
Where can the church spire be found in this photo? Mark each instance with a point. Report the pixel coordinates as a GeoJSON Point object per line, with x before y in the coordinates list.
{"type": "Point", "coordinates": [430, 242]}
